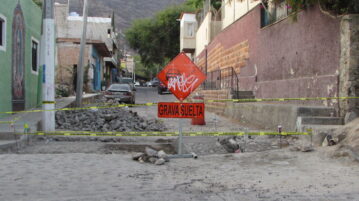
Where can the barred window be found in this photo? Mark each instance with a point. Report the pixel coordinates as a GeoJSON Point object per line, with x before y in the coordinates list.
{"type": "Point", "coordinates": [35, 55]}
{"type": "Point", "coordinates": [2, 33]}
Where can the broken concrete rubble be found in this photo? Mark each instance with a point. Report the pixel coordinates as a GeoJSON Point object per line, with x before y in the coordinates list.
{"type": "Point", "coordinates": [104, 120]}
{"type": "Point", "coordinates": [151, 156]}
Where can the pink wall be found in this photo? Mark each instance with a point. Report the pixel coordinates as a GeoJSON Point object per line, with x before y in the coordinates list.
{"type": "Point", "coordinates": [293, 59]}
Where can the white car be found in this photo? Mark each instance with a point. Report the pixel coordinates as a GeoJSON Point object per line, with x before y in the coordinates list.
{"type": "Point", "coordinates": [137, 84]}
{"type": "Point", "coordinates": [149, 84]}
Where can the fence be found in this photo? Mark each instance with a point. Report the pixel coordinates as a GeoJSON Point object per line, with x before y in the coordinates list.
{"type": "Point", "coordinates": [222, 79]}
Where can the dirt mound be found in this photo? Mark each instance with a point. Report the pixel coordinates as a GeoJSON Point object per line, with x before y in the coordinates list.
{"type": "Point", "coordinates": [104, 120]}
{"type": "Point", "coordinates": [348, 138]}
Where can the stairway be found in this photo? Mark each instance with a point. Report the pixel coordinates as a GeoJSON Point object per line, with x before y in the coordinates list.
{"type": "Point", "coordinates": [320, 119]}
{"type": "Point", "coordinates": [242, 94]}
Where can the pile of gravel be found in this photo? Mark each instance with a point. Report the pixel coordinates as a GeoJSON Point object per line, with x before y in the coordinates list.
{"type": "Point", "coordinates": [105, 120]}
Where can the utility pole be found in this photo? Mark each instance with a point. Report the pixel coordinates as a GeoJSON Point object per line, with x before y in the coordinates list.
{"type": "Point", "coordinates": [48, 64]}
{"type": "Point", "coordinates": [80, 66]}
{"type": "Point", "coordinates": [134, 71]}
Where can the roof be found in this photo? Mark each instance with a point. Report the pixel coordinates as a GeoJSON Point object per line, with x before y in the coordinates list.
{"type": "Point", "coordinates": [90, 19]}
{"type": "Point", "coordinates": [183, 13]}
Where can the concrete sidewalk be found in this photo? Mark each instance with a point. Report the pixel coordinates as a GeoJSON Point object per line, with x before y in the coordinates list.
{"type": "Point", "coordinates": [32, 119]}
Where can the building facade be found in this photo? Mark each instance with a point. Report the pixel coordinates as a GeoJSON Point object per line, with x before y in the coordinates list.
{"type": "Point", "coordinates": [265, 51]}
{"type": "Point", "coordinates": [101, 52]}
{"type": "Point", "coordinates": [20, 35]}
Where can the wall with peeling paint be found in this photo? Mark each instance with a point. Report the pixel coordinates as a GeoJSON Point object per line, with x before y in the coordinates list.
{"type": "Point", "coordinates": [349, 65]}
{"type": "Point", "coordinates": [284, 59]}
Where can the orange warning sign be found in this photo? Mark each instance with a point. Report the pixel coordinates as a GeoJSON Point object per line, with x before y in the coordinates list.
{"type": "Point", "coordinates": [181, 110]}
{"type": "Point", "coordinates": [181, 76]}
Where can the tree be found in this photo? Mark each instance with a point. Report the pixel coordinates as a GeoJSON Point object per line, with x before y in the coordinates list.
{"type": "Point", "coordinates": [157, 39]}
{"type": "Point", "coordinates": [333, 7]}
{"type": "Point", "coordinates": [198, 4]}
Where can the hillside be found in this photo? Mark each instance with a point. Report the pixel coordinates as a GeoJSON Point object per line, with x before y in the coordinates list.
{"type": "Point", "coordinates": [125, 10]}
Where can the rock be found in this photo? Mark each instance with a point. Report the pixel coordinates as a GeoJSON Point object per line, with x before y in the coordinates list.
{"type": "Point", "coordinates": [295, 148]}
{"type": "Point", "coordinates": [307, 149]}
{"type": "Point", "coordinates": [329, 141]}
{"type": "Point", "coordinates": [150, 152]}
{"type": "Point", "coordinates": [350, 116]}
{"type": "Point", "coordinates": [109, 117]}
{"type": "Point", "coordinates": [137, 156]}
{"type": "Point", "coordinates": [160, 161]}
{"type": "Point", "coordinates": [152, 159]}
{"type": "Point", "coordinates": [229, 144]}
{"type": "Point", "coordinates": [161, 154]}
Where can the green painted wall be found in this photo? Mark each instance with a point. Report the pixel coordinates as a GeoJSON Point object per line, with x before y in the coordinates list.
{"type": "Point", "coordinates": [32, 16]}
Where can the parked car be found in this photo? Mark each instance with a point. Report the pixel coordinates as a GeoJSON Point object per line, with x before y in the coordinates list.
{"type": "Point", "coordinates": [128, 80]}
{"type": "Point", "coordinates": [121, 93]}
{"type": "Point", "coordinates": [162, 88]}
{"type": "Point", "coordinates": [152, 83]}
{"type": "Point", "coordinates": [137, 84]}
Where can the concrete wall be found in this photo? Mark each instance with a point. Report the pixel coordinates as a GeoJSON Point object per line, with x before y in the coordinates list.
{"type": "Point", "coordinates": [234, 9]}
{"type": "Point", "coordinates": [69, 32]}
{"type": "Point", "coordinates": [207, 32]}
{"type": "Point", "coordinates": [32, 20]}
{"type": "Point", "coordinates": [215, 95]}
{"type": "Point", "coordinates": [285, 59]}
{"type": "Point", "coordinates": [203, 34]}
{"type": "Point", "coordinates": [263, 116]}
{"type": "Point", "coordinates": [349, 65]}
{"type": "Point", "coordinates": [187, 42]}
{"type": "Point", "coordinates": [71, 26]}
{"type": "Point", "coordinates": [68, 56]}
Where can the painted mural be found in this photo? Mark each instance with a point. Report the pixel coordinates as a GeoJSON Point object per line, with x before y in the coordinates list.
{"type": "Point", "coordinates": [18, 60]}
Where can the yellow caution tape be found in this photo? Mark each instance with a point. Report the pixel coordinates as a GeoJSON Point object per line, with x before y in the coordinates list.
{"type": "Point", "coordinates": [206, 101]}
{"type": "Point", "coordinates": [157, 134]}
{"type": "Point", "coordinates": [13, 121]}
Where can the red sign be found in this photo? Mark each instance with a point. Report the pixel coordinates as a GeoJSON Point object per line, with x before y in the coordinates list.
{"type": "Point", "coordinates": [181, 110]}
{"type": "Point", "coordinates": [181, 76]}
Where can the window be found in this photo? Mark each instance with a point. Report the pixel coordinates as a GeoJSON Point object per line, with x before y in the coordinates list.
{"type": "Point", "coordinates": [190, 30]}
{"type": "Point", "coordinates": [2, 33]}
{"type": "Point", "coordinates": [109, 33]}
{"type": "Point", "coordinates": [35, 55]}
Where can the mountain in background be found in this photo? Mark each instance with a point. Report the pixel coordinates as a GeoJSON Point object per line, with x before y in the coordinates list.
{"type": "Point", "coordinates": [126, 11]}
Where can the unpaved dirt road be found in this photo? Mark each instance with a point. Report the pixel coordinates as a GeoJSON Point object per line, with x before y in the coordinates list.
{"type": "Point", "coordinates": [51, 170]}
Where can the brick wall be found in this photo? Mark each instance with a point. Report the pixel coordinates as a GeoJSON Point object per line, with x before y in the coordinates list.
{"type": "Point", "coordinates": [215, 95]}
{"type": "Point", "coordinates": [67, 57]}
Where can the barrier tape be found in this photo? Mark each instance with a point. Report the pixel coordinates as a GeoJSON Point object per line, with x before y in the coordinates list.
{"type": "Point", "coordinates": [207, 101]}
{"type": "Point", "coordinates": [280, 99]}
{"type": "Point", "coordinates": [83, 108]}
{"type": "Point", "coordinates": [158, 134]}
{"type": "Point", "coordinates": [48, 102]}
{"type": "Point", "coordinates": [13, 121]}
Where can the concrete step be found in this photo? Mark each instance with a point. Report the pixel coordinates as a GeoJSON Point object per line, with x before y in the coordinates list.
{"type": "Point", "coordinates": [319, 132]}
{"type": "Point", "coordinates": [244, 97]}
{"type": "Point", "coordinates": [243, 93]}
{"type": "Point", "coordinates": [323, 120]}
{"type": "Point", "coordinates": [8, 136]}
{"type": "Point", "coordinates": [316, 111]}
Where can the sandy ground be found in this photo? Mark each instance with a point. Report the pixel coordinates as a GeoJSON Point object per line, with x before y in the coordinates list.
{"type": "Point", "coordinates": [274, 175]}
{"type": "Point", "coordinates": [86, 170]}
